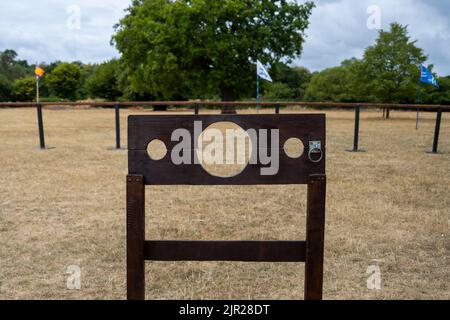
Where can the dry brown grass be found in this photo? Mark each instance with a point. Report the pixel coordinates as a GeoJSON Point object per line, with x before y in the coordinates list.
{"type": "Point", "coordinates": [389, 206]}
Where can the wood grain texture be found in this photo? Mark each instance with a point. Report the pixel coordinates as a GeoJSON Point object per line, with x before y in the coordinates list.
{"type": "Point", "coordinates": [143, 129]}
{"type": "Point", "coordinates": [315, 237]}
{"type": "Point", "coordinates": [145, 171]}
{"type": "Point", "coordinates": [245, 251]}
{"type": "Point", "coordinates": [135, 237]}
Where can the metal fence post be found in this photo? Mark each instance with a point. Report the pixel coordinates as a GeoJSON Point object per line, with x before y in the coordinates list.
{"type": "Point", "coordinates": [277, 109]}
{"type": "Point", "coordinates": [356, 133]}
{"type": "Point", "coordinates": [41, 126]}
{"type": "Point", "coordinates": [117, 107]}
{"type": "Point", "coordinates": [437, 131]}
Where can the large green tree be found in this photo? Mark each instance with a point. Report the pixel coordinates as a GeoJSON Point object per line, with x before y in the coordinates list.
{"type": "Point", "coordinates": [12, 68]}
{"type": "Point", "coordinates": [389, 70]}
{"type": "Point", "coordinates": [432, 95]}
{"type": "Point", "coordinates": [333, 84]}
{"type": "Point", "coordinates": [289, 82]}
{"type": "Point", "coordinates": [64, 80]}
{"type": "Point", "coordinates": [188, 48]}
{"type": "Point", "coordinates": [104, 81]}
{"type": "Point", "coordinates": [24, 89]}
{"type": "Point", "coordinates": [5, 89]}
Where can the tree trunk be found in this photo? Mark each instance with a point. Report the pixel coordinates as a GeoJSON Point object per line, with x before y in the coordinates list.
{"type": "Point", "coordinates": [227, 94]}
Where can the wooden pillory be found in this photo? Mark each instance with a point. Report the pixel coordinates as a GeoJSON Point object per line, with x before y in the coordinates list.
{"type": "Point", "coordinates": [308, 169]}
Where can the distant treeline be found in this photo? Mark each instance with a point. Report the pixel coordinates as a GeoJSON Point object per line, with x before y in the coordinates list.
{"type": "Point", "coordinates": [387, 73]}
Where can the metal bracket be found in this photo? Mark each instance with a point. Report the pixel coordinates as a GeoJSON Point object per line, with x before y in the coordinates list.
{"type": "Point", "coordinates": [315, 147]}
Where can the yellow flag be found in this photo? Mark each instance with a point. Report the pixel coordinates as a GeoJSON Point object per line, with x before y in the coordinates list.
{"type": "Point", "coordinates": [39, 72]}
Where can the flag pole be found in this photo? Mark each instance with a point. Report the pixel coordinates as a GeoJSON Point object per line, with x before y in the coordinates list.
{"type": "Point", "coordinates": [257, 93]}
{"type": "Point", "coordinates": [418, 105]}
{"type": "Point", "coordinates": [37, 89]}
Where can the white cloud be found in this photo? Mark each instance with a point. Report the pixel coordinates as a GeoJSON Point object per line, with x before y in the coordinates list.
{"type": "Point", "coordinates": [38, 30]}
{"type": "Point", "coordinates": [338, 30]}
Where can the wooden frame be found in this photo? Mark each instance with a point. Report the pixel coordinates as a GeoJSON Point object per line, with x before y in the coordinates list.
{"type": "Point", "coordinates": [145, 171]}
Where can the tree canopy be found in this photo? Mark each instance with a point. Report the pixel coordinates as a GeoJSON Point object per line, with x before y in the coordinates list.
{"type": "Point", "coordinates": [103, 82]}
{"type": "Point", "coordinates": [64, 81]}
{"type": "Point", "coordinates": [389, 71]}
{"type": "Point", "coordinates": [24, 89]}
{"type": "Point", "coordinates": [205, 50]}
{"type": "Point", "coordinates": [185, 48]}
{"type": "Point", "coordinates": [333, 84]}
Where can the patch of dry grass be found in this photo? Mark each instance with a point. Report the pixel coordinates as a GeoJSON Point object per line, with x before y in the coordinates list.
{"type": "Point", "coordinates": [389, 207]}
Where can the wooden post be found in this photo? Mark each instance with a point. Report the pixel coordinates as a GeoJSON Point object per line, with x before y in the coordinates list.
{"type": "Point", "coordinates": [388, 112]}
{"type": "Point", "coordinates": [437, 131]}
{"type": "Point", "coordinates": [315, 234]}
{"type": "Point", "coordinates": [356, 132]}
{"type": "Point", "coordinates": [135, 237]}
{"type": "Point", "coordinates": [117, 107]}
{"type": "Point", "coordinates": [196, 108]}
{"type": "Point", "coordinates": [277, 109]}
{"type": "Point", "coordinates": [41, 126]}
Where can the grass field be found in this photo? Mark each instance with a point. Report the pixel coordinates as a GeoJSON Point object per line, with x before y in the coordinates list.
{"type": "Point", "coordinates": [388, 207]}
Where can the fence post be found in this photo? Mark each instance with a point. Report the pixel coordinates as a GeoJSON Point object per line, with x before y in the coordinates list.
{"type": "Point", "coordinates": [41, 126]}
{"type": "Point", "coordinates": [135, 194]}
{"type": "Point", "coordinates": [277, 109]}
{"type": "Point", "coordinates": [196, 108]}
{"type": "Point", "coordinates": [437, 131]}
{"type": "Point", "coordinates": [388, 111]}
{"type": "Point", "coordinates": [356, 133]}
{"type": "Point", "coordinates": [117, 107]}
{"type": "Point", "coordinates": [315, 234]}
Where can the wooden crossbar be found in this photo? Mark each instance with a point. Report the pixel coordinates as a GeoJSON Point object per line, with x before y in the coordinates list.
{"type": "Point", "coordinates": [308, 169]}
{"type": "Point", "coordinates": [245, 251]}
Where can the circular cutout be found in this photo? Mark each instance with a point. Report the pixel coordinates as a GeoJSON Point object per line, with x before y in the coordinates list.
{"type": "Point", "coordinates": [294, 148]}
{"type": "Point", "coordinates": [156, 149]}
{"type": "Point", "coordinates": [224, 149]}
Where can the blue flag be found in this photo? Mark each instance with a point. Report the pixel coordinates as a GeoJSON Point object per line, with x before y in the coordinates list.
{"type": "Point", "coordinates": [427, 77]}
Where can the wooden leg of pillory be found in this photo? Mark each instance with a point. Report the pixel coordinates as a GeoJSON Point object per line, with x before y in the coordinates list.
{"type": "Point", "coordinates": [315, 232]}
{"type": "Point", "coordinates": [135, 237]}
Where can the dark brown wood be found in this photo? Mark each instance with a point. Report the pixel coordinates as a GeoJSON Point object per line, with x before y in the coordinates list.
{"type": "Point", "coordinates": [40, 126]}
{"type": "Point", "coordinates": [143, 129]}
{"type": "Point", "coordinates": [315, 234]}
{"type": "Point", "coordinates": [277, 109]}
{"type": "Point", "coordinates": [135, 237]}
{"type": "Point", "coordinates": [437, 130]}
{"type": "Point", "coordinates": [144, 171]}
{"type": "Point", "coordinates": [246, 251]}
{"type": "Point", "coordinates": [356, 133]}
{"type": "Point", "coordinates": [117, 113]}
{"type": "Point", "coordinates": [228, 103]}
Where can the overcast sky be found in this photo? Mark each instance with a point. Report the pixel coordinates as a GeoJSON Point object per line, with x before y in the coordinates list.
{"type": "Point", "coordinates": [48, 30]}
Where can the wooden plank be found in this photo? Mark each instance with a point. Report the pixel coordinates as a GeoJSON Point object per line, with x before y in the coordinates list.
{"type": "Point", "coordinates": [315, 233]}
{"type": "Point", "coordinates": [143, 170]}
{"type": "Point", "coordinates": [221, 103]}
{"type": "Point", "coordinates": [143, 129]}
{"type": "Point", "coordinates": [245, 251]}
{"type": "Point", "coordinates": [135, 237]}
